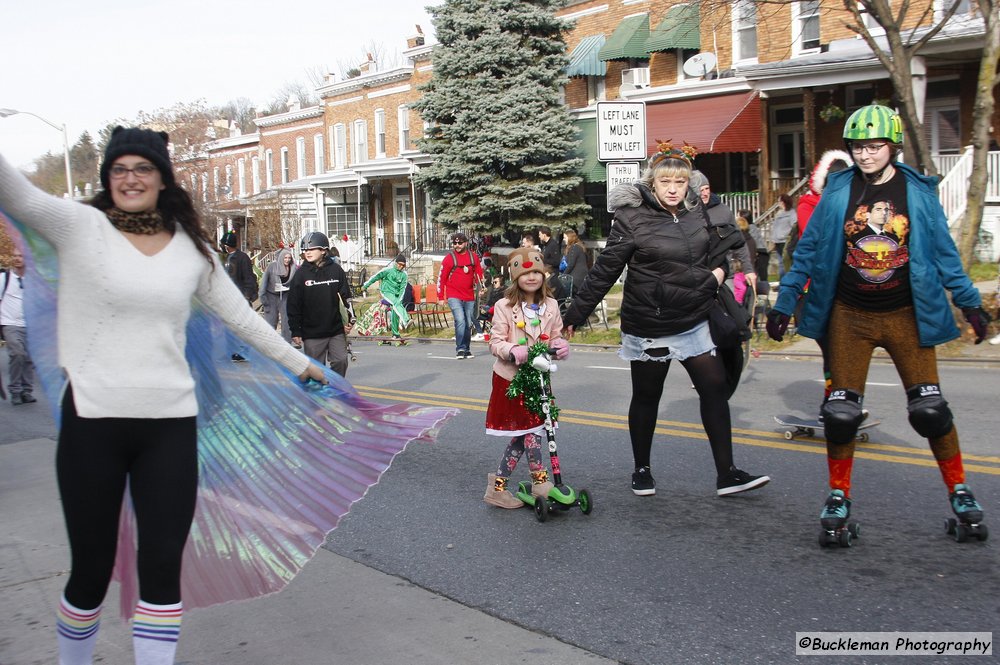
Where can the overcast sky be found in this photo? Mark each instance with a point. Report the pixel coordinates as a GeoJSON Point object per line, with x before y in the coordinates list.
{"type": "Point", "coordinates": [86, 64]}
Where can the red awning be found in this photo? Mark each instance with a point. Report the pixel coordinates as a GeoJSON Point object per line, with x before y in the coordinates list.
{"type": "Point", "coordinates": [727, 123]}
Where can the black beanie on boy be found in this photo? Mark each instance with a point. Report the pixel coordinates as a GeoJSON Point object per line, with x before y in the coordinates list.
{"type": "Point", "coordinates": [142, 142]}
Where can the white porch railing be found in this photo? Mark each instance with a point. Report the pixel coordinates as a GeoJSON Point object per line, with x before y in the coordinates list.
{"type": "Point", "coordinates": [954, 187]}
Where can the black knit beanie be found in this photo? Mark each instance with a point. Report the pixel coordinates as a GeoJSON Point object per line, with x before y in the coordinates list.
{"type": "Point", "coordinates": [142, 142]}
{"type": "Point", "coordinates": [401, 259]}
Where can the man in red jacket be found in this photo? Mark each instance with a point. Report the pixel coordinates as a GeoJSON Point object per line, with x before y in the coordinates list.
{"type": "Point", "coordinates": [461, 272]}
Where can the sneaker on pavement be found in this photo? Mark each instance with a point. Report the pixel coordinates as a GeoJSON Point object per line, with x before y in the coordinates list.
{"type": "Point", "coordinates": [15, 399]}
{"type": "Point", "coordinates": [478, 337]}
{"type": "Point", "coordinates": [995, 340]}
{"type": "Point", "coordinates": [237, 358]}
{"type": "Point", "coordinates": [642, 482]}
{"type": "Point", "coordinates": [460, 355]}
{"type": "Point", "coordinates": [468, 354]}
{"type": "Point", "coordinates": [27, 398]}
{"type": "Point", "coordinates": [737, 481]}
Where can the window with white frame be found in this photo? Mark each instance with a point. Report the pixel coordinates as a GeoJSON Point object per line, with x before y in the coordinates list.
{"type": "Point", "coordinates": [204, 187]}
{"type": "Point", "coordinates": [941, 7]}
{"type": "Point", "coordinates": [403, 120]}
{"type": "Point", "coordinates": [682, 56]}
{"type": "Point", "coordinates": [379, 133]}
{"type": "Point", "coordinates": [595, 89]}
{"type": "Point", "coordinates": [255, 173]}
{"type": "Point", "coordinates": [339, 145]}
{"type": "Point", "coordinates": [215, 184]}
{"type": "Point", "coordinates": [300, 157]}
{"type": "Point", "coordinates": [858, 96]}
{"type": "Point", "coordinates": [241, 175]}
{"type": "Point", "coordinates": [318, 154]}
{"type": "Point", "coordinates": [194, 184]}
{"type": "Point", "coordinates": [360, 145]}
{"type": "Point", "coordinates": [229, 181]}
{"type": "Point", "coordinates": [268, 169]}
{"type": "Point", "coordinates": [284, 165]}
{"type": "Point", "coordinates": [805, 26]}
{"type": "Point", "coordinates": [744, 30]}
{"type": "Point", "coordinates": [869, 21]}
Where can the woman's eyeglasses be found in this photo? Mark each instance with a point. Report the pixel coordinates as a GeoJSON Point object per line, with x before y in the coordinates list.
{"type": "Point", "coordinates": [141, 171]}
{"type": "Point", "coordinates": [869, 148]}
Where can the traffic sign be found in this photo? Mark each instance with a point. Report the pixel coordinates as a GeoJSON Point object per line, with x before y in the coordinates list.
{"type": "Point", "coordinates": [621, 173]}
{"type": "Point", "coordinates": [621, 131]}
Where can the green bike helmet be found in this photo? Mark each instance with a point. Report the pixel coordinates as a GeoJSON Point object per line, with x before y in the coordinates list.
{"type": "Point", "coordinates": [874, 122]}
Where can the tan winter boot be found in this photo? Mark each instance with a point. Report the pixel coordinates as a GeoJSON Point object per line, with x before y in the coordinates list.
{"type": "Point", "coordinates": [540, 485]}
{"type": "Point", "coordinates": [497, 494]}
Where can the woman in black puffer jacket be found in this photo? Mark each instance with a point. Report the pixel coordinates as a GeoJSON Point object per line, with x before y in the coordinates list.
{"type": "Point", "coordinates": [676, 262]}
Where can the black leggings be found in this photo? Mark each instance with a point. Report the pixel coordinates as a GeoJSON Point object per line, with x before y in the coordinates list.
{"type": "Point", "coordinates": [94, 458]}
{"type": "Point", "coordinates": [709, 377]}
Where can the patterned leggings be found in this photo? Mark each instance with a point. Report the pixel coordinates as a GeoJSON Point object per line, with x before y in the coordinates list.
{"type": "Point", "coordinates": [852, 337]}
{"type": "Point", "coordinates": [532, 443]}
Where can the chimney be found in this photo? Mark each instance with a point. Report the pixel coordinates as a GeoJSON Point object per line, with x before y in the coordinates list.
{"type": "Point", "coordinates": [293, 103]}
{"type": "Point", "coordinates": [416, 40]}
{"type": "Point", "coordinates": [368, 66]}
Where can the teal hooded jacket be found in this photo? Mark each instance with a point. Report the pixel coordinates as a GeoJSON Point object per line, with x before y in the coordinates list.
{"type": "Point", "coordinates": [934, 262]}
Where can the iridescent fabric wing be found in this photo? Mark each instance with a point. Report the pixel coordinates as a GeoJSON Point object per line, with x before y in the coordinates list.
{"type": "Point", "coordinates": [42, 272]}
{"type": "Point", "coordinates": [280, 462]}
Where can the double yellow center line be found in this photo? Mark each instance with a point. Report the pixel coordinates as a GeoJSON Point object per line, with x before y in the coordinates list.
{"type": "Point", "coordinates": [765, 439]}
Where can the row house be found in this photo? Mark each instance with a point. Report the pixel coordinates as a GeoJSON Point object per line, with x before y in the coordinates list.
{"type": "Point", "coordinates": [762, 89]}
{"type": "Point", "coordinates": [343, 167]}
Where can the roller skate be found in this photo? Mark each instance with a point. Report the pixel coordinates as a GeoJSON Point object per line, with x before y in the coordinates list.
{"type": "Point", "coordinates": [970, 516]}
{"type": "Point", "coordinates": [833, 518]}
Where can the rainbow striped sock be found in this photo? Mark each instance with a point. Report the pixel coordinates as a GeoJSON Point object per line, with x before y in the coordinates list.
{"type": "Point", "coordinates": [77, 633]}
{"type": "Point", "coordinates": [155, 629]}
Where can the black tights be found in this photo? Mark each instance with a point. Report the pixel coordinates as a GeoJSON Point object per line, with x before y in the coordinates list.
{"type": "Point", "coordinates": [708, 375]}
{"type": "Point", "coordinates": [94, 458]}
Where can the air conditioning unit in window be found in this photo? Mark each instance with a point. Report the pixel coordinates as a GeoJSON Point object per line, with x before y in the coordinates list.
{"type": "Point", "coordinates": [638, 77]}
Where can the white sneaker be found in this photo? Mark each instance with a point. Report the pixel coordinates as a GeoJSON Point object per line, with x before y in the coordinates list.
{"type": "Point", "coordinates": [995, 340]}
{"type": "Point", "coordinates": [478, 337]}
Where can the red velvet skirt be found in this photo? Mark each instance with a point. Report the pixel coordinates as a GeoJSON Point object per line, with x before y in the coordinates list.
{"type": "Point", "coordinates": [509, 417]}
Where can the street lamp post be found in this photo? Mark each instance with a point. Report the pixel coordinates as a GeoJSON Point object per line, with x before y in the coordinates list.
{"type": "Point", "coordinates": [4, 113]}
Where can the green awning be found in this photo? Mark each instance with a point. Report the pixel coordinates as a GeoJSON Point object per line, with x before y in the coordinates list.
{"type": "Point", "coordinates": [593, 170]}
{"type": "Point", "coordinates": [628, 40]}
{"type": "Point", "coordinates": [680, 28]}
{"type": "Point", "coordinates": [583, 61]}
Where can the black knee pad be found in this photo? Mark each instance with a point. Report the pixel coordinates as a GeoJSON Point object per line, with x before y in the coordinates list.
{"type": "Point", "coordinates": [928, 411]}
{"type": "Point", "coordinates": [842, 415]}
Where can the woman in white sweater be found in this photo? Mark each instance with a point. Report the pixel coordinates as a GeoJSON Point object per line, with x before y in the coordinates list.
{"type": "Point", "coordinates": [130, 266]}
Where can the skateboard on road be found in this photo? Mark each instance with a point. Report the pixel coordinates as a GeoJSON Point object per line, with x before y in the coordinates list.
{"type": "Point", "coordinates": [809, 427]}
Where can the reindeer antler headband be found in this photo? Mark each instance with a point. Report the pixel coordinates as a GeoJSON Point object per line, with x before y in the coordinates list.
{"type": "Point", "coordinates": [667, 150]}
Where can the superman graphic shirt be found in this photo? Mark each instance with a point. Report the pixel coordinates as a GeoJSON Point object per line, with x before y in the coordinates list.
{"type": "Point", "coordinates": [875, 274]}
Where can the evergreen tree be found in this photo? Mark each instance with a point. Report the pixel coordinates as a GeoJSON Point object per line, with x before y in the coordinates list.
{"type": "Point", "coordinates": [83, 159]}
{"type": "Point", "coordinates": [502, 142]}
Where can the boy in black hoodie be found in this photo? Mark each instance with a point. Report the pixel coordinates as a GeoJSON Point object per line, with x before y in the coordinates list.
{"type": "Point", "coordinates": [319, 298]}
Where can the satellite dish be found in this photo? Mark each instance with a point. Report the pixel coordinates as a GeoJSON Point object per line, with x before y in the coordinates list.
{"type": "Point", "coordinates": [700, 64]}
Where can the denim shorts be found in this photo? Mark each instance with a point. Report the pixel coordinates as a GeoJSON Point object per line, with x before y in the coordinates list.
{"type": "Point", "coordinates": [690, 343]}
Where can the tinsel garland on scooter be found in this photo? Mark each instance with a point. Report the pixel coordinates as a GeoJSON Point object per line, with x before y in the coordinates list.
{"type": "Point", "coordinates": [526, 382]}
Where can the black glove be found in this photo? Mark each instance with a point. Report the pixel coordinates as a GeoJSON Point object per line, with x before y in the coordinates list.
{"type": "Point", "coordinates": [777, 324]}
{"type": "Point", "coordinates": [979, 320]}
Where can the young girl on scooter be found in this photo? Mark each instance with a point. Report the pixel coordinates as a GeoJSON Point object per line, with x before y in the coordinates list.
{"type": "Point", "coordinates": [526, 315]}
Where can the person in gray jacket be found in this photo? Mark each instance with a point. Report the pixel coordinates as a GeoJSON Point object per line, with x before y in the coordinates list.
{"type": "Point", "coordinates": [273, 291]}
{"type": "Point", "coordinates": [785, 222]}
{"type": "Point", "coordinates": [719, 213]}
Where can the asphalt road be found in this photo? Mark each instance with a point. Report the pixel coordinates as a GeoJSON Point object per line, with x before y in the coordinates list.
{"type": "Point", "coordinates": [683, 576]}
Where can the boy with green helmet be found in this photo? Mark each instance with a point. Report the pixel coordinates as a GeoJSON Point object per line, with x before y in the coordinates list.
{"type": "Point", "coordinates": [874, 222]}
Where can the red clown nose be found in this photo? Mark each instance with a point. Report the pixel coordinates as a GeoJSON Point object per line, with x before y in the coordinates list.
{"type": "Point", "coordinates": [527, 264]}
